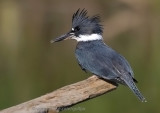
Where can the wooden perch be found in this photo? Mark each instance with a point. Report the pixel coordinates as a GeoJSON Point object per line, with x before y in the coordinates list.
{"type": "Point", "coordinates": [64, 97]}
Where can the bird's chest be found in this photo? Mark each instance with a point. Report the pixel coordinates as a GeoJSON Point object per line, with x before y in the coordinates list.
{"type": "Point", "coordinates": [84, 52]}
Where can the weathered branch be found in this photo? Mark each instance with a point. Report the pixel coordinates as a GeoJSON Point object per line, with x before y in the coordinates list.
{"type": "Point", "coordinates": [64, 97]}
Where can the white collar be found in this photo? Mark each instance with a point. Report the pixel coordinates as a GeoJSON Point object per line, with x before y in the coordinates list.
{"type": "Point", "coordinates": [85, 38]}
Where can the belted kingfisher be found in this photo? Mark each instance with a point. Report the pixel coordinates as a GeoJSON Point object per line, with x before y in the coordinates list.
{"type": "Point", "coordinates": [95, 56]}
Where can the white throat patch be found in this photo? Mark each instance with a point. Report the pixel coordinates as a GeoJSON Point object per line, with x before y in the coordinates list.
{"type": "Point", "coordinates": [85, 38]}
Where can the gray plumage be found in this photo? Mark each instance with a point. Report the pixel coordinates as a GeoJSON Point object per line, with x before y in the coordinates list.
{"type": "Point", "coordinates": [95, 56]}
{"type": "Point", "coordinates": [101, 60]}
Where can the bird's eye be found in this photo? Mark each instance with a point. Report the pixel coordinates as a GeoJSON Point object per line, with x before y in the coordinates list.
{"type": "Point", "coordinates": [76, 29]}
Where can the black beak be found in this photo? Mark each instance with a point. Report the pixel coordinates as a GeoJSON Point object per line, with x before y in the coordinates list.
{"type": "Point", "coordinates": [63, 37]}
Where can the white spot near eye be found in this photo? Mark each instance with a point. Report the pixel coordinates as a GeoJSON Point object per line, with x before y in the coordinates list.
{"type": "Point", "coordinates": [72, 29]}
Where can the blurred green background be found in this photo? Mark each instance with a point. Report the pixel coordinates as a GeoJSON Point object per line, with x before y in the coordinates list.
{"type": "Point", "coordinates": [30, 66]}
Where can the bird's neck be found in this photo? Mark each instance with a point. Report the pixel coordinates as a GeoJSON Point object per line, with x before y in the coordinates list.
{"type": "Point", "coordinates": [89, 44]}
{"type": "Point", "coordinates": [91, 37]}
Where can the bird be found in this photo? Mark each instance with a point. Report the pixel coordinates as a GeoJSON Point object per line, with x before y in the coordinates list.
{"type": "Point", "coordinates": [95, 56]}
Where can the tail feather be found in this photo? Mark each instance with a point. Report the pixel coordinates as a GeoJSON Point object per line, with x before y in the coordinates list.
{"type": "Point", "coordinates": [135, 90]}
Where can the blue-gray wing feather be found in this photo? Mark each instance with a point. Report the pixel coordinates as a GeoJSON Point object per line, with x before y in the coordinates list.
{"type": "Point", "coordinates": [103, 61]}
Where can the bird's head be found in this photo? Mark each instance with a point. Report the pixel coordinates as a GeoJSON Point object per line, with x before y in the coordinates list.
{"type": "Point", "coordinates": [84, 28]}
